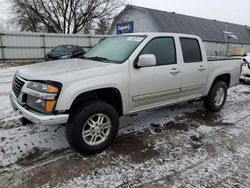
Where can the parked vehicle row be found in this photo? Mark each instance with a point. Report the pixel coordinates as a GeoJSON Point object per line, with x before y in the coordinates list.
{"type": "Point", "coordinates": [120, 76]}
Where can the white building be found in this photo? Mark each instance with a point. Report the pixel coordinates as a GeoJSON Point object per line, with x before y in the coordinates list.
{"type": "Point", "coordinates": [220, 38]}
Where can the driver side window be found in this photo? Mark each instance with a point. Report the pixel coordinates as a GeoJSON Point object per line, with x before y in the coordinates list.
{"type": "Point", "coordinates": [164, 50]}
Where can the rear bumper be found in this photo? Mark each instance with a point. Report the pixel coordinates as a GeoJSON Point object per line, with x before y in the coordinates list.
{"type": "Point", "coordinates": [245, 78]}
{"type": "Point", "coordinates": [38, 117]}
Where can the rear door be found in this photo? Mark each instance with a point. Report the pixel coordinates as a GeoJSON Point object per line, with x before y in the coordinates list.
{"type": "Point", "coordinates": [157, 85]}
{"type": "Point", "coordinates": [194, 69]}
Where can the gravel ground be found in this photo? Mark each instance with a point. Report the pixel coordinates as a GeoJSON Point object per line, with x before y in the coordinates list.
{"type": "Point", "coordinates": [178, 146]}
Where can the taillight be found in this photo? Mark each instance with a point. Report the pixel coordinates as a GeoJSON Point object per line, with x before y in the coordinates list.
{"type": "Point", "coordinates": [241, 68]}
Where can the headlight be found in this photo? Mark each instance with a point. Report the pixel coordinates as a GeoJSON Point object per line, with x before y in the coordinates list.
{"type": "Point", "coordinates": [42, 87]}
{"type": "Point", "coordinates": [46, 101]}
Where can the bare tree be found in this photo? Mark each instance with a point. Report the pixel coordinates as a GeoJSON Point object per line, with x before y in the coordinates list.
{"type": "Point", "coordinates": [6, 25]}
{"type": "Point", "coordinates": [62, 16]}
{"type": "Point", "coordinates": [102, 27]}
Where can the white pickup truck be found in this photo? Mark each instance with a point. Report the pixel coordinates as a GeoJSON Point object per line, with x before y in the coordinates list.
{"type": "Point", "coordinates": [122, 75]}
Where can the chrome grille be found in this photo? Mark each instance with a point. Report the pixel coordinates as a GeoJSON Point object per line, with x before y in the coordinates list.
{"type": "Point", "coordinates": [17, 86]}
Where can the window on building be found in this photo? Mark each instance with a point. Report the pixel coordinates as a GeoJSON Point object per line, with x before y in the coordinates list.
{"type": "Point", "coordinates": [191, 50]}
{"type": "Point", "coordinates": [164, 50]}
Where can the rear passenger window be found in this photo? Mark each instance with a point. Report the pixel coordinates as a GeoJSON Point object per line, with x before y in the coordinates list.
{"type": "Point", "coordinates": [164, 50]}
{"type": "Point", "coordinates": [191, 50]}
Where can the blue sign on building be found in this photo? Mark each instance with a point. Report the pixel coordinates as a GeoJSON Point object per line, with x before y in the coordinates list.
{"type": "Point", "coordinates": [125, 27]}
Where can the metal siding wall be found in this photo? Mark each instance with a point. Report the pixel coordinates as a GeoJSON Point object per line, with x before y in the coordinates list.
{"type": "Point", "coordinates": [142, 21]}
{"type": "Point", "coordinates": [94, 41]}
{"type": "Point", "coordinates": [247, 48]}
{"type": "Point", "coordinates": [213, 47]}
{"type": "Point", "coordinates": [83, 41]}
{"type": "Point", "coordinates": [23, 41]}
{"type": "Point", "coordinates": [10, 53]}
{"type": "Point", "coordinates": [51, 41]}
{"type": "Point", "coordinates": [21, 46]}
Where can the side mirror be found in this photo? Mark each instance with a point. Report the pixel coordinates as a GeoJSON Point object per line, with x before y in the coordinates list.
{"type": "Point", "coordinates": [146, 60]}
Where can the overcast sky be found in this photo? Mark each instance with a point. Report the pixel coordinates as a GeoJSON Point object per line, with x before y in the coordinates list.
{"type": "Point", "coordinates": [235, 11]}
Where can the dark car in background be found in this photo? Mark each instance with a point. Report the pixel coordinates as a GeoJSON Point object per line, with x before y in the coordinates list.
{"type": "Point", "coordinates": [64, 52]}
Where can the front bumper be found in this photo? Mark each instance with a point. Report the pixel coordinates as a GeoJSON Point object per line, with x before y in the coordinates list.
{"type": "Point", "coordinates": [38, 117]}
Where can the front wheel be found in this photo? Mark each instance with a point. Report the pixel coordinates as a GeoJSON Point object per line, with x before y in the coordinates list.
{"type": "Point", "coordinates": [216, 97]}
{"type": "Point", "coordinates": [93, 128]}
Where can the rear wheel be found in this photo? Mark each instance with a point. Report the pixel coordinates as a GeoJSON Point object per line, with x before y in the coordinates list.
{"type": "Point", "coordinates": [216, 97]}
{"type": "Point", "coordinates": [93, 128]}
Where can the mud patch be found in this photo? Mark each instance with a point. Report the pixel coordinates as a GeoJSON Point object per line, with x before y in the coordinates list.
{"type": "Point", "coordinates": [32, 156]}
{"type": "Point", "coordinates": [205, 118]}
{"type": "Point", "coordinates": [176, 126]}
{"type": "Point", "coordinates": [14, 123]}
{"type": "Point", "coordinates": [135, 146]}
{"type": "Point", "coordinates": [211, 150]}
{"type": "Point", "coordinates": [245, 92]}
{"type": "Point", "coordinates": [155, 128]}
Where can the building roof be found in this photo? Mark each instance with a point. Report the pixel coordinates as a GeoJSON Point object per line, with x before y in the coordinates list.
{"type": "Point", "coordinates": [208, 30]}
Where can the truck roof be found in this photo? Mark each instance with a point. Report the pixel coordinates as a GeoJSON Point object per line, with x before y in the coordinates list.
{"type": "Point", "coordinates": [155, 34]}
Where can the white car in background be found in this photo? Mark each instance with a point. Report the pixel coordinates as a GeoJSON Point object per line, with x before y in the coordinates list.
{"type": "Point", "coordinates": [245, 75]}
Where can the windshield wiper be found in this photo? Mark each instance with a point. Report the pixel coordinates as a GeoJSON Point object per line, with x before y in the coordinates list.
{"type": "Point", "coordinates": [97, 58]}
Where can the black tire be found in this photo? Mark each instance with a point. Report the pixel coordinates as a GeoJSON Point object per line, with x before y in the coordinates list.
{"type": "Point", "coordinates": [210, 100]}
{"type": "Point", "coordinates": [241, 81]}
{"type": "Point", "coordinates": [78, 121]}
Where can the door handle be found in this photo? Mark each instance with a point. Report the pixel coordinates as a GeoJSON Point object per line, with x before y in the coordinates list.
{"type": "Point", "coordinates": [174, 71]}
{"type": "Point", "coordinates": [201, 68]}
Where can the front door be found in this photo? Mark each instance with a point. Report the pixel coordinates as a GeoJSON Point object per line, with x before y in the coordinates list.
{"type": "Point", "coordinates": [157, 85]}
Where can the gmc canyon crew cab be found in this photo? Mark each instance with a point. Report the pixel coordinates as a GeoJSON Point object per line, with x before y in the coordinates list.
{"type": "Point", "coordinates": [122, 75]}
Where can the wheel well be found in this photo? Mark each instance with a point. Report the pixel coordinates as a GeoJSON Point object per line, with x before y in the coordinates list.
{"type": "Point", "coordinates": [109, 95]}
{"type": "Point", "coordinates": [224, 77]}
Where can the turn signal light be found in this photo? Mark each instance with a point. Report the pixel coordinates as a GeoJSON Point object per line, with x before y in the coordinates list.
{"type": "Point", "coordinates": [52, 89]}
{"type": "Point", "coordinates": [49, 106]}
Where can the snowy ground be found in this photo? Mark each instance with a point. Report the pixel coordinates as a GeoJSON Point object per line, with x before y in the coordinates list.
{"type": "Point", "coordinates": [179, 146]}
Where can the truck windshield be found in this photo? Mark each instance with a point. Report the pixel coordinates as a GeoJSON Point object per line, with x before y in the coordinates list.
{"type": "Point", "coordinates": [114, 49]}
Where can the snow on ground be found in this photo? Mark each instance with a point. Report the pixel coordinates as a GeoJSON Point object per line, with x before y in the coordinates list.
{"type": "Point", "coordinates": [22, 141]}
{"type": "Point", "coordinates": [195, 169]}
{"type": "Point", "coordinates": [6, 75]}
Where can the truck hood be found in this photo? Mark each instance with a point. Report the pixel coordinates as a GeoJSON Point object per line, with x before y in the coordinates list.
{"type": "Point", "coordinates": [65, 69]}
